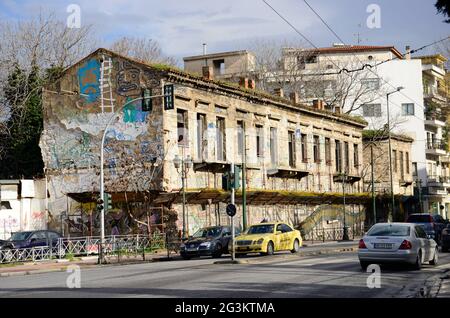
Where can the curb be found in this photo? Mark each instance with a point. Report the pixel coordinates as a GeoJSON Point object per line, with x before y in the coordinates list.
{"type": "Point", "coordinates": [231, 262]}
{"type": "Point", "coordinates": [38, 271]}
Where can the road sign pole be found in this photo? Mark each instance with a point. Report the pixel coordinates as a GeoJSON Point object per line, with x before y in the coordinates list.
{"type": "Point", "coordinates": [232, 218]}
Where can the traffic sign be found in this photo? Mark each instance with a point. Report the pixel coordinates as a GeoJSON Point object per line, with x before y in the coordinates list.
{"type": "Point", "coordinates": [231, 210]}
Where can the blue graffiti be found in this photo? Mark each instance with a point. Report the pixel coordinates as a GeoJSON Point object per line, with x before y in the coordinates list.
{"type": "Point", "coordinates": [132, 112]}
{"type": "Point", "coordinates": [88, 78]}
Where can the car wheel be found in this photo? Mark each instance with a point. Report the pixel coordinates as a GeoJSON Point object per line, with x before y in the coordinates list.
{"type": "Point", "coordinates": [418, 263]}
{"type": "Point", "coordinates": [434, 261]}
{"type": "Point", "coordinates": [296, 246]}
{"type": "Point", "coordinates": [364, 265]}
{"type": "Point", "coordinates": [218, 252]}
{"type": "Point", "coordinates": [270, 248]}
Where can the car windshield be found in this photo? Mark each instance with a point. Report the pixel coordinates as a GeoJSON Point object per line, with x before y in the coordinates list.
{"type": "Point", "coordinates": [260, 229]}
{"type": "Point", "coordinates": [417, 218]}
{"type": "Point", "coordinates": [389, 230]}
{"type": "Point", "coordinates": [208, 232]}
{"type": "Point", "coordinates": [20, 236]}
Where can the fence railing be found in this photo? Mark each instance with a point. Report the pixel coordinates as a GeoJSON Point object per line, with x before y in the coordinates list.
{"type": "Point", "coordinates": [85, 246]}
{"type": "Point", "coordinates": [332, 234]}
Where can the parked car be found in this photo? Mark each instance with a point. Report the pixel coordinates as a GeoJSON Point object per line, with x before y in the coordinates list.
{"type": "Point", "coordinates": [208, 241]}
{"type": "Point", "coordinates": [397, 243]}
{"type": "Point", "coordinates": [445, 238]}
{"type": "Point", "coordinates": [3, 244]}
{"type": "Point", "coordinates": [267, 238]}
{"type": "Point", "coordinates": [433, 224]}
{"type": "Point", "coordinates": [30, 239]}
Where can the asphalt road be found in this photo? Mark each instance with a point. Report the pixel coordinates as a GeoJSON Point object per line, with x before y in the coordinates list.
{"type": "Point", "coordinates": [282, 275]}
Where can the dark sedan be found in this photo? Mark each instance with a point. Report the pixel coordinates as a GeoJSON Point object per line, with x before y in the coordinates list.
{"type": "Point", "coordinates": [208, 241]}
{"type": "Point", "coordinates": [433, 224]}
{"type": "Point", "coordinates": [446, 238]}
{"type": "Point", "coordinates": [28, 239]}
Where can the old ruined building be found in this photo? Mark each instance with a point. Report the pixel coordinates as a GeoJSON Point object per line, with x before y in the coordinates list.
{"type": "Point", "coordinates": [297, 158]}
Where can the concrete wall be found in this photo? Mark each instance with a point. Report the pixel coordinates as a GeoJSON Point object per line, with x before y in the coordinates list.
{"type": "Point", "coordinates": [23, 207]}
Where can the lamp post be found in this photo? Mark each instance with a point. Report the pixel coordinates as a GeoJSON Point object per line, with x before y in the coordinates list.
{"type": "Point", "coordinates": [185, 164]}
{"type": "Point", "coordinates": [390, 152]}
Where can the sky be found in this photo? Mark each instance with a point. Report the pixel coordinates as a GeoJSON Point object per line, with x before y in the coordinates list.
{"type": "Point", "coordinates": [182, 26]}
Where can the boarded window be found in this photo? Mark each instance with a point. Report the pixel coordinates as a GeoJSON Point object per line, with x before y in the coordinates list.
{"type": "Point", "coordinates": [202, 140]}
{"type": "Point", "coordinates": [273, 146]}
{"type": "Point", "coordinates": [182, 127]}
{"type": "Point", "coordinates": [221, 140]}
{"type": "Point", "coordinates": [304, 147]}
{"type": "Point", "coordinates": [328, 151]}
{"type": "Point", "coordinates": [259, 141]}
{"type": "Point", "coordinates": [291, 148]}
{"type": "Point", "coordinates": [316, 149]}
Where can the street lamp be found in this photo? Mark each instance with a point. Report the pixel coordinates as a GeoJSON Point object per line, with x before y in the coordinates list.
{"type": "Point", "coordinates": [185, 164]}
{"type": "Point", "coordinates": [390, 151]}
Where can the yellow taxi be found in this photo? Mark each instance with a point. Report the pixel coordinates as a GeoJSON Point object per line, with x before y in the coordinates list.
{"type": "Point", "coordinates": [267, 238]}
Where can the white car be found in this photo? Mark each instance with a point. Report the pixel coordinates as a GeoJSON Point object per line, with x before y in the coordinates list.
{"type": "Point", "coordinates": [397, 243]}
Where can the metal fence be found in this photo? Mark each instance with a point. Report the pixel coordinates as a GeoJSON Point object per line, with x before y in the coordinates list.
{"type": "Point", "coordinates": [85, 246]}
{"type": "Point", "coordinates": [331, 234]}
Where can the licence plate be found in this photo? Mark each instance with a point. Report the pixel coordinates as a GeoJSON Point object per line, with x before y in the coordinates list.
{"type": "Point", "coordinates": [382, 245]}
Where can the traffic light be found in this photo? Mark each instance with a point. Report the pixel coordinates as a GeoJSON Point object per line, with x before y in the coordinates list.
{"type": "Point", "coordinates": [108, 201]}
{"type": "Point", "coordinates": [168, 97]}
{"type": "Point", "coordinates": [147, 100]}
{"type": "Point", "coordinates": [237, 177]}
{"type": "Point", "coordinates": [99, 204]}
{"type": "Point", "coordinates": [226, 185]}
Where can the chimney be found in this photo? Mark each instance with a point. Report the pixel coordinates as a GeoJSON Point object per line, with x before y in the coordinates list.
{"type": "Point", "coordinates": [243, 82]}
{"type": "Point", "coordinates": [207, 72]}
{"type": "Point", "coordinates": [251, 84]}
{"type": "Point", "coordinates": [337, 109]}
{"type": "Point", "coordinates": [278, 92]}
{"type": "Point", "coordinates": [294, 97]}
{"type": "Point", "coordinates": [318, 104]}
{"type": "Point", "coordinates": [408, 53]}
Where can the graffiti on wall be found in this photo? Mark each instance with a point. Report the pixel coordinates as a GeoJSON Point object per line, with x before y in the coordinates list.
{"type": "Point", "coordinates": [128, 79]}
{"type": "Point", "coordinates": [132, 112]}
{"type": "Point", "coordinates": [89, 80]}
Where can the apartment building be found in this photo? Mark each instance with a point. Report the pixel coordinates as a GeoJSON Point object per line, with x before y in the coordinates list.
{"type": "Point", "coordinates": [437, 189]}
{"type": "Point", "coordinates": [297, 157]}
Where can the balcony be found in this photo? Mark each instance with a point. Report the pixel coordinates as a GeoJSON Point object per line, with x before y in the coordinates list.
{"type": "Point", "coordinates": [434, 92]}
{"type": "Point", "coordinates": [437, 191]}
{"type": "Point", "coordinates": [436, 147]}
{"type": "Point", "coordinates": [431, 68]}
{"type": "Point", "coordinates": [434, 123]}
{"type": "Point", "coordinates": [439, 181]}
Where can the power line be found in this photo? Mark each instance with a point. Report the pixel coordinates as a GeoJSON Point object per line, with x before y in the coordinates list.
{"type": "Point", "coordinates": [376, 74]}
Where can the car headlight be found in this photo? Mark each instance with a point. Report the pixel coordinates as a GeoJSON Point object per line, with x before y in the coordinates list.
{"type": "Point", "coordinates": [258, 241]}
{"type": "Point", "coordinates": [206, 244]}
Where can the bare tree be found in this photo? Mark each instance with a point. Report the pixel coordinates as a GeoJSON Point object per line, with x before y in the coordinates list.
{"type": "Point", "coordinates": [145, 50]}
{"type": "Point", "coordinates": [30, 49]}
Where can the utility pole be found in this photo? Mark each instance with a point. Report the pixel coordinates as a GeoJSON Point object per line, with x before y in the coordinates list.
{"type": "Point", "coordinates": [232, 217]}
{"type": "Point", "coordinates": [391, 217]}
{"type": "Point", "coordinates": [373, 187]}
{"type": "Point", "coordinates": [244, 171]}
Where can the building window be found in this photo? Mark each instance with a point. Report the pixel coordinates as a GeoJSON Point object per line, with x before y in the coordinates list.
{"type": "Point", "coordinates": [372, 110]}
{"type": "Point", "coordinates": [182, 127]}
{"type": "Point", "coordinates": [408, 109]}
{"type": "Point", "coordinates": [201, 136]}
{"type": "Point", "coordinates": [219, 66]}
{"type": "Point", "coordinates": [414, 172]}
{"type": "Point", "coordinates": [407, 162]}
{"type": "Point", "coordinates": [371, 83]}
{"type": "Point", "coordinates": [402, 171]}
{"type": "Point", "coordinates": [347, 156]}
{"type": "Point", "coordinates": [240, 137]}
{"type": "Point", "coordinates": [273, 146]}
{"type": "Point", "coordinates": [394, 159]}
{"type": "Point", "coordinates": [221, 141]}
{"type": "Point", "coordinates": [355, 156]}
{"type": "Point", "coordinates": [328, 151]}
{"type": "Point", "coordinates": [291, 148]}
{"type": "Point", "coordinates": [338, 155]}
{"type": "Point", "coordinates": [259, 141]}
{"type": "Point", "coordinates": [316, 149]}
{"type": "Point", "coordinates": [304, 147]}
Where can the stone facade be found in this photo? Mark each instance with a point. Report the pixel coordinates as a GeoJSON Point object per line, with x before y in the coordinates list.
{"type": "Point", "coordinates": [289, 147]}
{"type": "Point", "coordinates": [401, 165]}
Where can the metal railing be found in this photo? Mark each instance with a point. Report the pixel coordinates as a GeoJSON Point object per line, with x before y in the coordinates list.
{"type": "Point", "coordinates": [85, 246]}
{"type": "Point", "coordinates": [331, 234]}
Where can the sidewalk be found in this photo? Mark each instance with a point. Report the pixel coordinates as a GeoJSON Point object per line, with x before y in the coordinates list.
{"type": "Point", "coordinates": [7, 270]}
{"type": "Point", "coordinates": [444, 288]}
